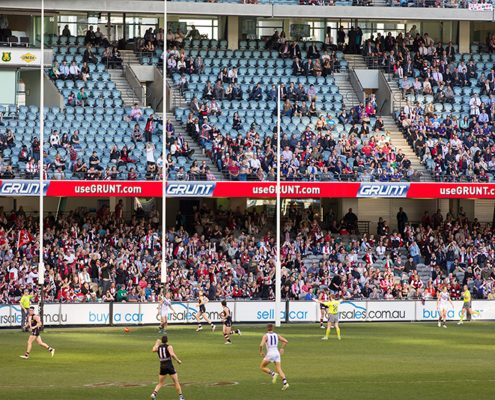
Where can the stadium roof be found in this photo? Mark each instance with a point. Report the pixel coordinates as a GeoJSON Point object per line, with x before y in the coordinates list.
{"type": "Point", "coordinates": [261, 10]}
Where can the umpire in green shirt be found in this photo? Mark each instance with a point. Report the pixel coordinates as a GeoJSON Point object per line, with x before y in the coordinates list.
{"type": "Point", "coordinates": [25, 303]}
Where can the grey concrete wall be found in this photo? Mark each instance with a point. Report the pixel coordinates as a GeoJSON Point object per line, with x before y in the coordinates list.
{"type": "Point", "coordinates": [52, 96]}
{"type": "Point", "coordinates": [368, 78]}
{"type": "Point", "coordinates": [356, 85]}
{"type": "Point", "coordinates": [266, 10]}
{"type": "Point", "coordinates": [384, 96]}
{"type": "Point", "coordinates": [154, 92]}
{"type": "Point", "coordinates": [31, 78]}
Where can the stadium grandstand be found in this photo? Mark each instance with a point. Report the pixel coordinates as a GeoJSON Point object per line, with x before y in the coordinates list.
{"type": "Point", "coordinates": [93, 252]}
{"type": "Point", "coordinates": [262, 153]}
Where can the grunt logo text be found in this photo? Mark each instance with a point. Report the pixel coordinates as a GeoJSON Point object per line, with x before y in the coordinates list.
{"type": "Point", "coordinates": [392, 190]}
{"type": "Point", "coordinates": [190, 189]}
{"type": "Point", "coordinates": [22, 188]}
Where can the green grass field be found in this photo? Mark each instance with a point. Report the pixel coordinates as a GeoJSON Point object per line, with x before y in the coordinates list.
{"type": "Point", "coordinates": [373, 361]}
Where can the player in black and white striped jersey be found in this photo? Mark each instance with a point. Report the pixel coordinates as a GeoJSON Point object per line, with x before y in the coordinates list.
{"type": "Point", "coordinates": [166, 353]}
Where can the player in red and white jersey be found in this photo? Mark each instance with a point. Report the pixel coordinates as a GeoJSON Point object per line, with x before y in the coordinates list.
{"type": "Point", "coordinates": [323, 296]}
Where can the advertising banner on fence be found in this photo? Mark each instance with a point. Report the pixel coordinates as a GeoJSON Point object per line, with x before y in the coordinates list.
{"type": "Point", "coordinates": [59, 314]}
{"type": "Point", "coordinates": [377, 311]}
{"type": "Point", "coordinates": [412, 190]}
{"type": "Point", "coordinates": [429, 312]}
{"type": "Point", "coordinates": [242, 312]}
{"type": "Point", "coordinates": [20, 57]}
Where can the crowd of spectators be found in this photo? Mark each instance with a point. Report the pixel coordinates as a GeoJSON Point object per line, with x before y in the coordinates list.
{"type": "Point", "coordinates": [453, 149]}
{"type": "Point", "coordinates": [411, 263]}
{"type": "Point", "coordinates": [449, 109]}
{"type": "Point", "coordinates": [349, 144]}
{"type": "Point", "coordinates": [106, 256]}
{"type": "Point", "coordinates": [102, 256]}
{"type": "Point", "coordinates": [69, 150]}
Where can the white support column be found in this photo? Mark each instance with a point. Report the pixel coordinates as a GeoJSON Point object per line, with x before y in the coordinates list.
{"type": "Point", "coordinates": [278, 280]}
{"type": "Point", "coordinates": [163, 275]}
{"type": "Point", "coordinates": [41, 263]}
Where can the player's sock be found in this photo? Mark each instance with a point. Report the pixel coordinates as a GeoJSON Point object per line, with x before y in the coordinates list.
{"type": "Point", "coordinates": [50, 349]}
{"type": "Point", "coordinates": [237, 331]}
{"type": "Point", "coordinates": [321, 321]}
{"type": "Point", "coordinates": [462, 318]}
{"type": "Point", "coordinates": [337, 329]}
{"type": "Point", "coordinates": [284, 381]}
{"type": "Point", "coordinates": [181, 396]}
{"type": "Point", "coordinates": [272, 373]}
{"type": "Point", "coordinates": [327, 333]}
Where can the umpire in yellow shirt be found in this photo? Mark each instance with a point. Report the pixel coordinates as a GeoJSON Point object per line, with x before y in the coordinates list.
{"type": "Point", "coordinates": [25, 303]}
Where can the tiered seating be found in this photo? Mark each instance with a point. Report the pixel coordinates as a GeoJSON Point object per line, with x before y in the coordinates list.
{"type": "Point", "coordinates": [99, 87]}
{"type": "Point", "coordinates": [102, 122]}
{"type": "Point", "coordinates": [450, 123]}
{"type": "Point", "coordinates": [24, 124]}
{"type": "Point", "coordinates": [256, 65]}
{"type": "Point", "coordinates": [151, 58]}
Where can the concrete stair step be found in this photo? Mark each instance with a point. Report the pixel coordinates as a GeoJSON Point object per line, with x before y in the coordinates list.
{"type": "Point", "coordinates": [198, 150]}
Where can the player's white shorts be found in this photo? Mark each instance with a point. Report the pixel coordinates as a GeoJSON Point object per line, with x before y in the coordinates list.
{"type": "Point", "coordinates": [443, 306]}
{"type": "Point", "coordinates": [273, 356]}
{"type": "Point", "coordinates": [164, 314]}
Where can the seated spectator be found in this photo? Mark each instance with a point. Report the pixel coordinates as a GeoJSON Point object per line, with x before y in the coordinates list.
{"type": "Point", "coordinates": [24, 153]}
{"type": "Point", "coordinates": [31, 169]}
{"type": "Point", "coordinates": [82, 98]}
{"type": "Point", "coordinates": [85, 72]}
{"type": "Point", "coordinates": [256, 93]}
{"type": "Point", "coordinates": [88, 56]}
{"type": "Point", "coordinates": [74, 71]}
{"type": "Point", "coordinates": [90, 37]}
{"type": "Point", "coordinates": [137, 135]}
{"type": "Point", "coordinates": [136, 113]}
{"type": "Point", "coordinates": [58, 175]}
{"type": "Point", "coordinates": [54, 72]}
{"type": "Point", "coordinates": [64, 72]}
{"type": "Point", "coordinates": [54, 139]}
{"type": "Point", "coordinates": [94, 163]}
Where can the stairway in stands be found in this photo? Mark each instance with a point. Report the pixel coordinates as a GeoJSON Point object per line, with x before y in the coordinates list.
{"type": "Point", "coordinates": [198, 150]}
{"type": "Point", "coordinates": [346, 89]}
{"type": "Point", "coordinates": [397, 139]}
{"type": "Point", "coordinates": [356, 61]}
{"type": "Point", "coordinates": [127, 93]}
{"type": "Point", "coordinates": [129, 57]}
{"type": "Point", "coordinates": [199, 154]}
{"type": "Point", "coordinates": [176, 98]}
{"type": "Point", "coordinates": [342, 80]}
{"type": "Point", "coordinates": [397, 96]}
